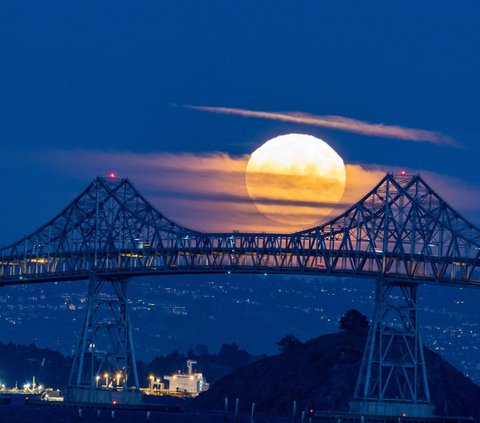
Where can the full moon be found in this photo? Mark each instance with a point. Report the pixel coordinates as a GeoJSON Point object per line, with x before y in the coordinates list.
{"type": "Point", "coordinates": [295, 179]}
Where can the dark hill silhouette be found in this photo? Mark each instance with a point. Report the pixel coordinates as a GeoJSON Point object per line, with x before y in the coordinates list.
{"type": "Point", "coordinates": [322, 373]}
{"type": "Point", "coordinates": [19, 363]}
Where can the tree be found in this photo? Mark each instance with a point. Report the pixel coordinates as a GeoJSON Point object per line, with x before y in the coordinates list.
{"type": "Point", "coordinates": [353, 320]}
{"type": "Point", "coordinates": [232, 356]}
{"type": "Point", "coordinates": [288, 343]}
{"type": "Point", "coordinates": [201, 350]}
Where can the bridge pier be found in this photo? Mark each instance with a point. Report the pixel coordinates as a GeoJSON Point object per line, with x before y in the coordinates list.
{"type": "Point", "coordinates": [105, 357]}
{"type": "Point", "coordinates": [393, 378]}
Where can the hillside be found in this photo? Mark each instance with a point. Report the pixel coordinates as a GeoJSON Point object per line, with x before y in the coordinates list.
{"type": "Point", "coordinates": [322, 372]}
{"type": "Point", "coordinates": [19, 363]}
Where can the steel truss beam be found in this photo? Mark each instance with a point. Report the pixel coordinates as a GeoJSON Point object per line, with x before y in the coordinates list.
{"type": "Point", "coordinates": [401, 229]}
{"type": "Point", "coordinates": [105, 345]}
{"type": "Point", "coordinates": [393, 365]}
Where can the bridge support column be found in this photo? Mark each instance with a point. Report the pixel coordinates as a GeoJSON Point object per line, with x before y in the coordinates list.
{"type": "Point", "coordinates": [393, 377]}
{"type": "Point", "coordinates": [105, 355]}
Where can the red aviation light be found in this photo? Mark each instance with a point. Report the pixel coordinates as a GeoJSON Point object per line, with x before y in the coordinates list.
{"type": "Point", "coordinates": [112, 175]}
{"type": "Point", "coordinates": [403, 172]}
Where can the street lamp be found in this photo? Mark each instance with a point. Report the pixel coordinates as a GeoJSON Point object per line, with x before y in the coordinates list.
{"type": "Point", "coordinates": [118, 375]}
{"type": "Point", "coordinates": [97, 378]}
{"type": "Point", "coordinates": [106, 379]}
{"type": "Point", "coordinates": [151, 378]}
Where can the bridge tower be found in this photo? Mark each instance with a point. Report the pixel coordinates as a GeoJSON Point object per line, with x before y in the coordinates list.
{"type": "Point", "coordinates": [105, 355]}
{"type": "Point", "coordinates": [393, 376]}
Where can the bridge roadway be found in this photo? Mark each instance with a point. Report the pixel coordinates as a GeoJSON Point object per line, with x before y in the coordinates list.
{"type": "Point", "coordinates": [194, 260]}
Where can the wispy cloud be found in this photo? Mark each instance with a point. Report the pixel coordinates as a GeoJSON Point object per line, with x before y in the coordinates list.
{"type": "Point", "coordinates": [340, 123]}
{"type": "Point", "coordinates": [207, 191]}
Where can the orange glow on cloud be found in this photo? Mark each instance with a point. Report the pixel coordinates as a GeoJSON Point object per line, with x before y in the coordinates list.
{"type": "Point", "coordinates": [207, 192]}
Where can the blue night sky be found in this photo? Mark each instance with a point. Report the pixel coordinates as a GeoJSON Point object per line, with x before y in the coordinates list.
{"type": "Point", "coordinates": [87, 87]}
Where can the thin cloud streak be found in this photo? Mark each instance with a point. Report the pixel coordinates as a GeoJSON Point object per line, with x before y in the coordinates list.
{"type": "Point", "coordinates": [238, 199]}
{"type": "Point", "coordinates": [339, 123]}
{"type": "Point", "coordinates": [207, 191]}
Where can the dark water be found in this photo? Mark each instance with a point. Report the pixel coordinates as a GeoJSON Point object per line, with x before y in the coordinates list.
{"type": "Point", "coordinates": [44, 414]}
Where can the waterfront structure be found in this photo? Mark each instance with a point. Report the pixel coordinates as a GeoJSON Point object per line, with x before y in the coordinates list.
{"type": "Point", "coordinates": [190, 383]}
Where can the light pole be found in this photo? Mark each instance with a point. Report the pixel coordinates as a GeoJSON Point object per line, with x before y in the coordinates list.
{"type": "Point", "coordinates": [151, 378]}
{"type": "Point", "coordinates": [118, 375]}
{"type": "Point", "coordinates": [97, 378]}
{"type": "Point", "coordinates": [106, 379]}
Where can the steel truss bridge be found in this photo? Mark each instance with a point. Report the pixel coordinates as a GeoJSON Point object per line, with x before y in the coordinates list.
{"type": "Point", "coordinates": [401, 234]}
